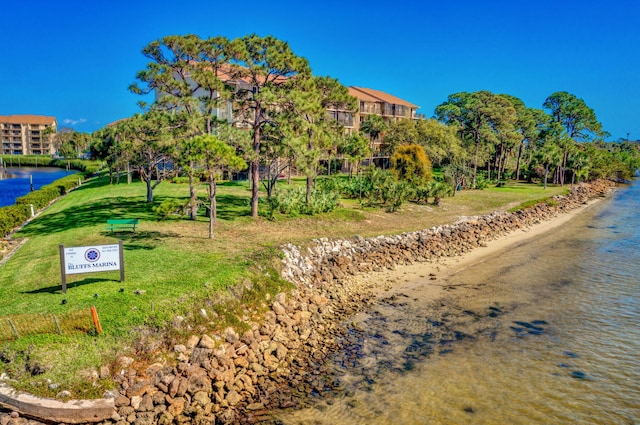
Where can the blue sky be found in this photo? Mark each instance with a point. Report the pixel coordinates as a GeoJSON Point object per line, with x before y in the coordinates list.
{"type": "Point", "coordinates": [75, 59]}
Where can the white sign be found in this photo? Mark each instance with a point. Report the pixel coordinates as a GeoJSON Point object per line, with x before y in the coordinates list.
{"type": "Point", "coordinates": [90, 259]}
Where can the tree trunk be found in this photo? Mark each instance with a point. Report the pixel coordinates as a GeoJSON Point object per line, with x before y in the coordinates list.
{"type": "Point", "coordinates": [520, 149]}
{"type": "Point", "coordinates": [255, 185]}
{"type": "Point", "coordinates": [212, 206]}
{"type": "Point", "coordinates": [149, 189]}
{"type": "Point", "coordinates": [192, 194]}
{"type": "Point", "coordinates": [475, 161]}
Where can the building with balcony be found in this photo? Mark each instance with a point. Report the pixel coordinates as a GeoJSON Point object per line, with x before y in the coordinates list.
{"type": "Point", "coordinates": [375, 102]}
{"type": "Point", "coordinates": [27, 134]}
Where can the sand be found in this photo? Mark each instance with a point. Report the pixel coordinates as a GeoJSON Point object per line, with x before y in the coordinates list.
{"type": "Point", "coordinates": [431, 277]}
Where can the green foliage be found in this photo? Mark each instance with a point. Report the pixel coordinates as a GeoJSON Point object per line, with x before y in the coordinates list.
{"type": "Point", "coordinates": [482, 182]}
{"type": "Point", "coordinates": [378, 188]}
{"type": "Point", "coordinates": [292, 201]}
{"type": "Point", "coordinates": [13, 216]}
{"type": "Point", "coordinates": [27, 160]}
{"type": "Point", "coordinates": [573, 114]}
{"type": "Point", "coordinates": [179, 180]}
{"type": "Point", "coordinates": [440, 190]}
{"type": "Point", "coordinates": [373, 126]}
{"type": "Point", "coordinates": [532, 203]}
{"type": "Point", "coordinates": [169, 207]}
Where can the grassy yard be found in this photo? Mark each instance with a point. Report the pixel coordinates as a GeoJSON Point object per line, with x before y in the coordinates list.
{"type": "Point", "coordinates": [172, 267]}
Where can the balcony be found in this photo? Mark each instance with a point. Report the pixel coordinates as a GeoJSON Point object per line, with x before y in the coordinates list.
{"type": "Point", "coordinates": [370, 108]}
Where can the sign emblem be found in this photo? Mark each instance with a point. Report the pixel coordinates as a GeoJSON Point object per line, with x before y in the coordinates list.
{"type": "Point", "coordinates": [92, 255]}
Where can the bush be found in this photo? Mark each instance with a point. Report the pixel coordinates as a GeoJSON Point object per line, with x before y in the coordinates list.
{"type": "Point", "coordinates": [180, 180]}
{"type": "Point", "coordinates": [12, 217]}
{"type": "Point", "coordinates": [168, 208]}
{"type": "Point", "coordinates": [293, 201]}
{"type": "Point", "coordinates": [410, 163]}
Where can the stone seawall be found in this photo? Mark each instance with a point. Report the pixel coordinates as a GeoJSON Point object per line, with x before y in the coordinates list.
{"type": "Point", "coordinates": [329, 261]}
{"type": "Point", "coordinates": [278, 363]}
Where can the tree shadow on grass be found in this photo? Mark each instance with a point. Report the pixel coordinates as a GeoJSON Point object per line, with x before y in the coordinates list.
{"type": "Point", "coordinates": [93, 183]}
{"type": "Point", "coordinates": [70, 285]}
{"type": "Point", "coordinates": [89, 214]}
{"type": "Point", "coordinates": [230, 207]}
{"type": "Point", "coordinates": [140, 240]}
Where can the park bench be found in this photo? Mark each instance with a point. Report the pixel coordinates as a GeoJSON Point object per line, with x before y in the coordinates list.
{"type": "Point", "coordinates": [123, 223]}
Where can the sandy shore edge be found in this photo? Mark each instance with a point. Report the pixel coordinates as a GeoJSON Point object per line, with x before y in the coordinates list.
{"type": "Point", "coordinates": [436, 272]}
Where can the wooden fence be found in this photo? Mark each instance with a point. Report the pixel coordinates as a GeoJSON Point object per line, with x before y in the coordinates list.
{"type": "Point", "coordinates": [76, 322]}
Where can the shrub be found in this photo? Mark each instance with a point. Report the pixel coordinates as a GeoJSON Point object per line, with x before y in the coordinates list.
{"type": "Point", "coordinates": [180, 179]}
{"type": "Point", "coordinates": [169, 207]}
{"type": "Point", "coordinates": [293, 201]}
{"type": "Point", "coordinates": [410, 163]}
{"type": "Point", "coordinates": [12, 217]}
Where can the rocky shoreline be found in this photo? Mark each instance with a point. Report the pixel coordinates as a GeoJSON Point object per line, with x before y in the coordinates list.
{"type": "Point", "coordinates": [279, 363]}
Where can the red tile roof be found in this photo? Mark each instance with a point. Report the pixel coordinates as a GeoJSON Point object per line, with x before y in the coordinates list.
{"type": "Point", "coordinates": [370, 95]}
{"type": "Point", "coordinates": [27, 119]}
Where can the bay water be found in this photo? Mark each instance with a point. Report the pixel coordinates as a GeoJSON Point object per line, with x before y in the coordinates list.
{"type": "Point", "coordinates": [16, 181]}
{"type": "Point", "coordinates": [544, 332]}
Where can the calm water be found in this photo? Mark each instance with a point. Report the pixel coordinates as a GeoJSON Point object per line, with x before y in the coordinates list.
{"type": "Point", "coordinates": [14, 181]}
{"type": "Point", "coordinates": [547, 332]}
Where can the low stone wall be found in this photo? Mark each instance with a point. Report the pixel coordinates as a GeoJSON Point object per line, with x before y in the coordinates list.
{"type": "Point", "coordinates": [278, 363]}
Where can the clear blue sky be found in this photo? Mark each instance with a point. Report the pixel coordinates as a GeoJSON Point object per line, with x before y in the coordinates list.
{"type": "Point", "coordinates": [75, 59]}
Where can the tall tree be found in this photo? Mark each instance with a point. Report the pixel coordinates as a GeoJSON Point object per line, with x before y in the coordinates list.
{"type": "Point", "coordinates": [403, 132]}
{"type": "Point", "coordinates": [264, 65]}
{"type": "Point", "coordinates": [574, 115]}
{"type": "Point", "coordinates": [355, 147]}
{"type": "Point", "coordinates": [578, 120]}
{"type": "Point", "coordinates": [484, 120]}
{"type": "Point", "coordinates": [549, 152]}
{"type": "Point", "coordinates": [215, 156]}
{"type": "Point", "coordinates": [186, 74]}
{"type": "Point", "coordinates": [308, 125]}
{"type": "Point", "coordinates": [149, 140]}
{"type": "Point", "coordinates": [440, 142]}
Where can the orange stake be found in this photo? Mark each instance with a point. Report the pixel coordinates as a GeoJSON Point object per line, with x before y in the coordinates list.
{"type": "Point", "coordinates": [96, 321]}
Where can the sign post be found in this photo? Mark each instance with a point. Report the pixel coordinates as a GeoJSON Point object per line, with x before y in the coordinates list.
{"type": "Point", "coordinates": [90, 259]}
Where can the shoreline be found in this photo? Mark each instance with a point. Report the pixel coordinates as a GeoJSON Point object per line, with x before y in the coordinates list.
{"type": "Point", "coordinates": [407, 275]}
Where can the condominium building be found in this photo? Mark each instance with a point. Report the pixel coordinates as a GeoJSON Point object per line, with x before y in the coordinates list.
{"type": "Point", "coordinates": [27, 134]}
{"type": "Point", "coordinates": [370, 102]}
{"type": "Point", "coordinates": [375, 102]}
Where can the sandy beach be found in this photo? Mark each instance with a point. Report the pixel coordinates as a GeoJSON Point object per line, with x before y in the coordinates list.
{"type": "Point", "coordinates": [431, 276]}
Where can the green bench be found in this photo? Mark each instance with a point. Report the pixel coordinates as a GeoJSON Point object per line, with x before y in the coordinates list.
{"type": "Point", "coordinates": [124, 223]}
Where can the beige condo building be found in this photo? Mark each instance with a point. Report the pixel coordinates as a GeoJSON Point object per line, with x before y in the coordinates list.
{"type": "Point", "coordinates": [27, 134]}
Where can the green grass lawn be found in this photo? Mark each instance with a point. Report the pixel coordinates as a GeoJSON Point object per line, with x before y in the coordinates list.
{"type": "Point", "coordinates": [172, 268]}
